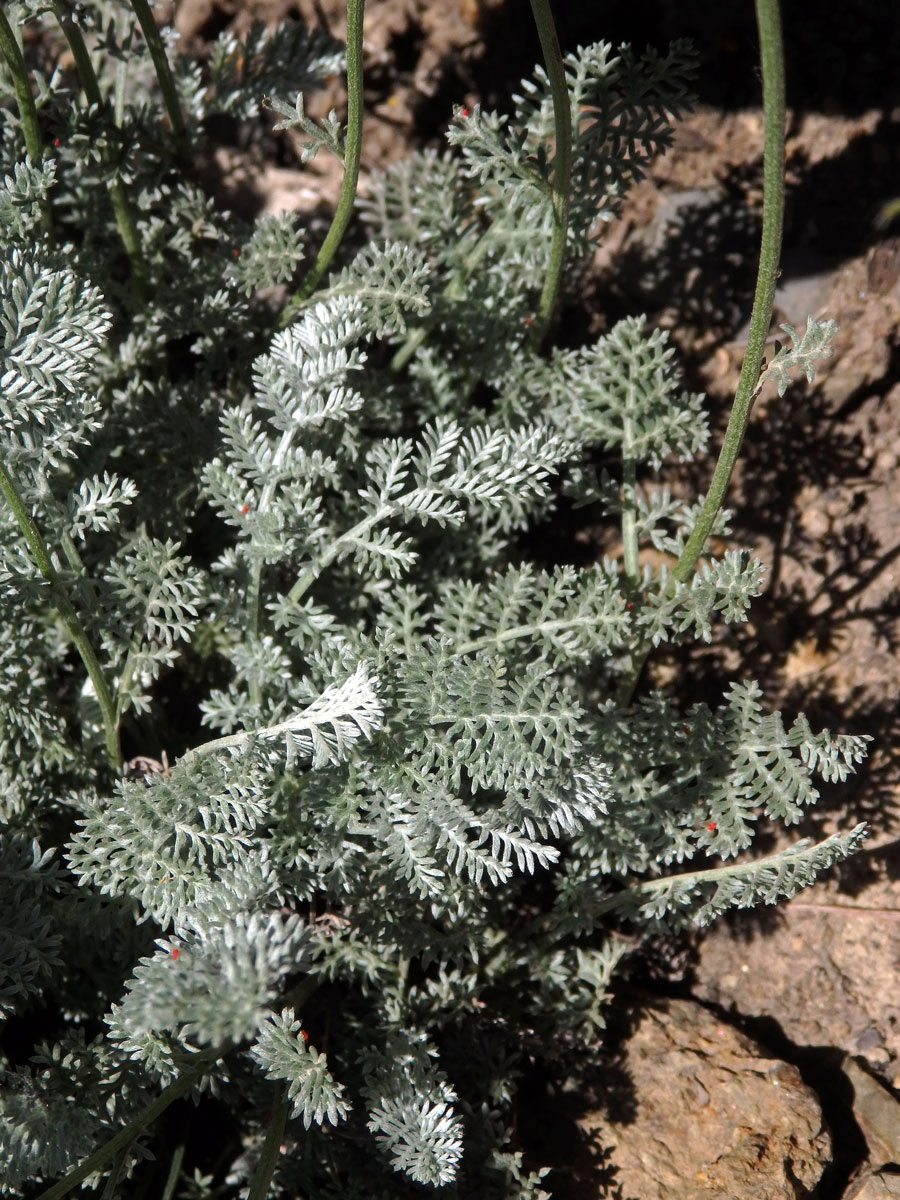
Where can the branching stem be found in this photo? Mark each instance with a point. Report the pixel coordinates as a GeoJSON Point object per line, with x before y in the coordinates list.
{"type": "Point", "coordinates": [163, 73]}
{"type": "Point", "coordinates": [340, 544]}
{"type": "Point", "coordinates": [629, 525]}
{"type": "Point", "coordinates": [34, 145]}
{"type": "Point", "coordinates": [127, 1133]}
{"type": "Point", "coordinates": [562, 164]}
{"type": "Point", "coordinates": [124, 214]}
{"type": "Point", "coordinates": [268, 1159]}
{"type": "Point", "coordinates": [772, 56]}
{"type": "Point", "coordinates": [694, 879]}
{"type": "Point", "coordinates": [66, 610]}
{"type": "Point", "coordinates": [454, 290]}
{"type": "Point", "coordinates": [352, 151]}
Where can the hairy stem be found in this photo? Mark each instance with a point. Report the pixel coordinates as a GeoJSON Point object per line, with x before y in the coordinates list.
{"type": "Point", "coordinates": [265, 1168]}
{"type": "Point", "coordinates": [629, 527]}
{"type": "Point", "coordinates": [651, 887]}
{"type": "Point", "coordinates": [9, 48]}
{"type": "Point", "coordinates": [254, 596]}
{"type": "Point", "coordinates": [352, 150]}
{"type": "Point", "coordinates": [562, 164]}
{"type": "Point", "coordinates": [127, 1133]}
{"type": "Point", "coordinates": [66, 610]}
{"type": "Point", "coordinates": [561, 195]}
{"type": "Point", "coordinates": [454, 290]}
{"type": "Point", "coordinates": [163, 74]}
{"type": "Point", "coordinates": [174, 1172]}
{"type": "Point", "coordinates": [124, 214]}
{"type": "Point", "coordinates": [772, 56]}
{"type": "Point", "coordinates": [310, 574]}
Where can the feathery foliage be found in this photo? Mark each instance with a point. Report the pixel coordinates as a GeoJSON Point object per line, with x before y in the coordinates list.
{"type": "Point", "coordinates": [316, 794]}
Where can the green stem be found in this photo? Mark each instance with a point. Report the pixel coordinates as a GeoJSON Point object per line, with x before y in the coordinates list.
{"type": "Point", "coordinates": [772, 51]}
{"type": "Point", "coordinates": [562, 164]}
{"type": "Point", "coordinates": [66, 610]}
{"type": "Point", "coordinates": [414, 340]}
{"type": "Point", "coordinates": [174, 1172]}
{"type": "Point", "coordinates": [560, 197]}
{"type": "Point", "coordinates": [352, 150]}
{"type": "Point", "coordinates": [268, 1159]}
{"type": "Point", "coordinates": [87, 591]}
{"type": "Point", "coordinates": [120, 97]}
{"type": "Point", "coordinates": [125, 220]}
{"type": "Point", "coordinates": [629, 528]}
{"type": "Point", "coordinates": [255, 588]}
{"type": "Point", "coordinates": [651, 887]}
{"type": "Point", "coordinates": [772, 55]}
{"type": "Point", "coordinates": [241, 740]}
{"type": "Point", "coordinates": [455, 289]}
{"type": "Point", "coordinates": [112, 1180]}
{"type": "Point", "coordinates": [163, 73]}
{"type": "Point", "coordinates": [127, 1133]}
{"type": "Point", "coordinates": [310, 574]}
{"type": "Point", "coordinates": [34, 145]}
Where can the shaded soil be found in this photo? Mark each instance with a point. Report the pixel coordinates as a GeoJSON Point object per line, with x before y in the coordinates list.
{"type": "Point", "coordinates": [813, 984]}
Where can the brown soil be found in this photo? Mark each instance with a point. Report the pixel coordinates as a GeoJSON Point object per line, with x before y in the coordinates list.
{"type": "Point", "coordinates": [813, 984]}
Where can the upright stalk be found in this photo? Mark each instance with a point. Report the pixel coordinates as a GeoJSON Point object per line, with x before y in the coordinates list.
{"type": "Point", "coordinates": [268, 1159]}
{"type": "Point", "coordinates": [768, 21]}
{"type": "Point", "coordinates": [70, 617]}
{"type": "Point", "coordinates": [9, 48]}
{"type": "Point", "coordinates": [163, 73]}
{"type": "Point", "coordinates": [772, 54]}
{"type": "Point", "coordinates": [99, 1159]}
{"type": "Point", "coordinates": [124, 214]}
{"type": "Point", "coordinates": [562, 164]}
{"type": "Point", "coordinates": [352, 151]}
{"type": "Point", "coordinates": [560, 198]}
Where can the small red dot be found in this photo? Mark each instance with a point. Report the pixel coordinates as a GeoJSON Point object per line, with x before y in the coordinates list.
{"type": "Point", "coordinates": [245, 510]}
{"type": "Point", "coordinates": [711, 826]}
{"type": "Point", "coordinates": [304, 1035]}
{"type": "Point", "coordinates": [629, 605]}
{"type": "Point", "coordinates": [463, 112]}
{"type": "Point", "coordinates": [529, 320]}
{"type": "Point", "coordinates": [236, 252]}
{"type": "Point", "coordinates": [175, 954]}
{"type": "Point", "coordinates": [56, 142]}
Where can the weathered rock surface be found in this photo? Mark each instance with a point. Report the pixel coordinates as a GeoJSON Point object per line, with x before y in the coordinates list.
{"type": "Point", "coordinates": [877, 1112]}
{"type": "Point", "coordinates": [840, 987]}
{"type": "Point", "coordinates": [878, 1186]}
{"type": "Point", "coordinates": [705, 1114]}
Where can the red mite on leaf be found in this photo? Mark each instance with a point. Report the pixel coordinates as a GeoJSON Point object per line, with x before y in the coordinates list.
{"type": "Point", "coordinates": [245, 510]}
{"type": "Point", "coordinates": [174, 954]}
{"type": "Point", "coordinates": [56, 142]}
{"type": "Point", "coordinates": [463, 112]}
{"type": "Point", "coordinates": [711, 826]}
{"type": "Point", "coordinates": [304, 1035]}
{"type": "Point", "coordinates": [236, 252]}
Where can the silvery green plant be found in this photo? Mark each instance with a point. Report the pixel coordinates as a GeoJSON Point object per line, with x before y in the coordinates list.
{"type": "Point", "coordinates": [318, 796]}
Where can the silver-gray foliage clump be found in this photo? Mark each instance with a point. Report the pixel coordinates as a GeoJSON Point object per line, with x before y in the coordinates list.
{"type": "Point", "coordinates": [382, 816]}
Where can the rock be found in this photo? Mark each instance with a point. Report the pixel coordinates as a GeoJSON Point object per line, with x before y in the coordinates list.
{"type": "Point", "coordinates": [877, 1113]}
{"type": "Point", "coordinates": [705, 1114]}
{"type": "Point", "coordinates": [878, 1186]}
{"type": "Point", "coordinates": [841, 987]}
